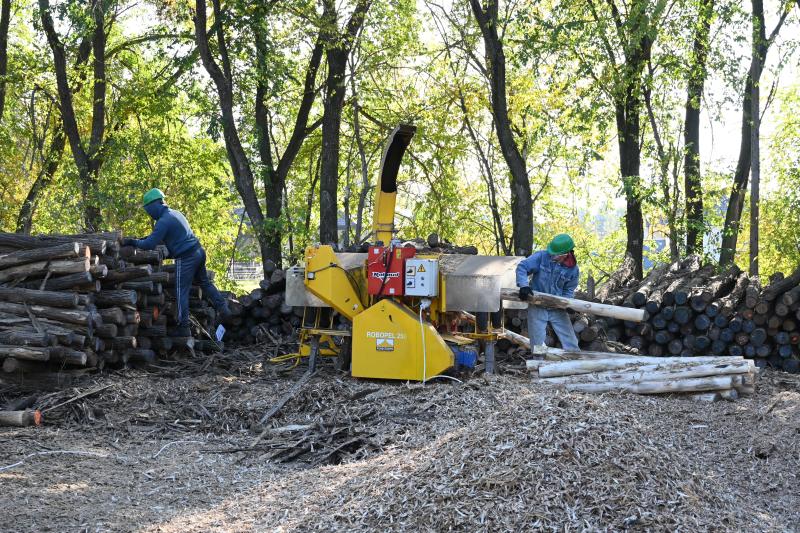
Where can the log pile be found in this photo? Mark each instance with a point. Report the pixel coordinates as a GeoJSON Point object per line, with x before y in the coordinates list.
{"type": "Point", "coordinates": [85, 301]}
{"type": "Point", "coordinates": [263, 314]}
{"type": "Point", "coordinates": [708, 378]}
{"type": "Point", "coordinates": [693, 310]}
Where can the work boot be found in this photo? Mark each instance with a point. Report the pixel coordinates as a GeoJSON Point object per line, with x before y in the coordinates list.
{"type": "Point", "coordinates": [180, 331]}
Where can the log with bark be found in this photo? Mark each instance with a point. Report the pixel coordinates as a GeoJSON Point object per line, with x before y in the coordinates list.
{"type": "Point", "coordinates": [30, 296]}
{"type": "Point", "coordinates": [42, 268]}
{"type": "Point", "coordinates": [61, 251]}
{"type": "Point", "coordinates": [20, 418]}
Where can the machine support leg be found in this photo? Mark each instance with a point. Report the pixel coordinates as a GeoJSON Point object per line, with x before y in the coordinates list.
{"type": "Point", "coordinates": [489, 356]}
{"type": "Point", "coordinates": [312, 356]}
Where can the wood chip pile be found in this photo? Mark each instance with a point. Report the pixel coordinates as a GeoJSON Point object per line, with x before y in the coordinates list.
{"type": "Point", "coordinates": [692, 310]}
{"type": "Point", "coordinates": [86, 301]}
{"type": "Point", "coordinates": [500, 454]}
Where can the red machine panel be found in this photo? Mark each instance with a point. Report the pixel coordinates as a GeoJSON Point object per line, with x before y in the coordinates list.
{"type": "Point", "coordinates": [385, 269]}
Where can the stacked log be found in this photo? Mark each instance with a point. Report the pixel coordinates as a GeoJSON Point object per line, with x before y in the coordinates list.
{"type": "Point", "coordinates": [710, 377]}
{"type": "Point", "coordinates": [263, 314]}
{"type": "Point", "coordinates": [84, 301]}
{"type": "Point", "coordinates": [693, 310]}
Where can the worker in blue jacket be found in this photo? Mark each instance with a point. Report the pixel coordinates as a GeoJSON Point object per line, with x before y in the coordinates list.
{"type": "Point", "coordinates": [552, 271]}
{"type": "Point", "coordinates": [173, 230]}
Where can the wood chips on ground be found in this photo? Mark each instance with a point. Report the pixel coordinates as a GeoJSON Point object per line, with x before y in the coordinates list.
{"type": "Point", "coordinates": [168, 449]}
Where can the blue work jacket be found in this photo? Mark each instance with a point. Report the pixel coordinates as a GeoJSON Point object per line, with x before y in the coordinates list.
{"type": "Point", "coordinates": [171, 228]}
{"type": "Point", "coordinates": [543, 274]}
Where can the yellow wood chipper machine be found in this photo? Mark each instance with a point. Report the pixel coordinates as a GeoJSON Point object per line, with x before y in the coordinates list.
{"type": "Point", "coordinates": [412, 315]}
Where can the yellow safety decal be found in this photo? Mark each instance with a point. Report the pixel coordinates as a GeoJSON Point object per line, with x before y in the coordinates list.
{"type": "Point", "coordinates": [421, 269]}
{"type": "Point", "coordinates": [398, 253]}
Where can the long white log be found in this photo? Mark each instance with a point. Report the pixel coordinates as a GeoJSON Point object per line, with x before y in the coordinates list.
{"type": "Point", "coordinates": [516, 338]}
{"type": "Point", "coordinates": [657, 387]}
{"type": "Point", "coordinates": [716, 396]}
{"type": "Point", "coordinates": [658, 373]}
{"type": "Point", "coordinates": [557, 354]}
{"type": "Point", "coordinates": [569, 368]}
{"type": "Point", "coordinates": [554, 355]}
{"type": "Point", "coordinates": [580, 306]}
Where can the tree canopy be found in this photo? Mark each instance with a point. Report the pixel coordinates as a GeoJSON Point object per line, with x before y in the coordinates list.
{"type": "Point", "coordinates": [626, 124]}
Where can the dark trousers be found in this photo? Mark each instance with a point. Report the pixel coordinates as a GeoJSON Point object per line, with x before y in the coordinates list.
{"type": "Point", "coordinates": [191, 268]}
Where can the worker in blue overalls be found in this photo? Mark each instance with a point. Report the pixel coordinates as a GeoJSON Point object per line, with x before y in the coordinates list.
{"type": "Point", "coordinates": [173, 230]}
{"type": "Point", "coordinates": [552, 271]}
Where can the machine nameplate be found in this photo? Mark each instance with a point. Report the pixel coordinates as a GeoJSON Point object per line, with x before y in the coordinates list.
{"type": "Point", "coordinates": [381, 275]}
{"type": "Point", "coordinates": [385, 335]}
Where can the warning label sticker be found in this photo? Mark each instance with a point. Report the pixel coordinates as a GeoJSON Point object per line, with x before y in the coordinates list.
{"type": "Point", "coordinates": [421, 268]}
{"type": "Point", "coordinates": [384, 345]}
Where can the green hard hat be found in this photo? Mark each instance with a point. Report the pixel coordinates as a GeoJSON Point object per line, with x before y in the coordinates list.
{"type": "Point", "coordinates": [152, 195]}
{"type": "Point", "coordinates": [561, 244]}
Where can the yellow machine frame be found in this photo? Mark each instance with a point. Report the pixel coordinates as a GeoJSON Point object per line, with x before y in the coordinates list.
{"type": "Point", "coordinates": [392, 337]}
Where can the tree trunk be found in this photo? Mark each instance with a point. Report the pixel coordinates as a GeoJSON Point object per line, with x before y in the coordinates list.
{"type": "Point", "coordinates": [43, 179]}
{"type": "Point", "coordinates": [733, 214]}
{"type": "Point", "coordinates": [88, 164]}
{"type": "Point", "coordinates": [521, 200]}
{"type": "Point", "coordinates": [627, 114]}
{"type": "Point", "coordinates": [5, 19]}
{"type": "Point", "coordinates": [691, 136]}
{"type": "Point", "coordinates": [240, 165]}
{"type": "Point", "coordinates": [671, 193]}
{"type": "Point", "coordinates": [366, 186]}
{"type": "Point", "coordinates": [331, 123]}
{"type": "Point", "coordinates": [274, 178]}
{"type": "Point", "coordinates": [337, 50]}
{"type": "Point", "coordinates": [89, 191]}
{"type": "Point", "coordinates": [637, 33]}
{"type": "Point", "coordinates": [759, 36]}
{"type": "Point", "coordinates": [497, 220]}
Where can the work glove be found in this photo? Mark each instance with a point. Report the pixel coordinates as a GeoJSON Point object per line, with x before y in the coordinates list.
{"type": "Point", "coordinates": [128, 242]}
{"type": "Point", "coordinates": [524, 292]}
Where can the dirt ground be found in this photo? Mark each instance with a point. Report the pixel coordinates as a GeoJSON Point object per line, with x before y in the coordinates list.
{"type": "Point", "coordinates": [171, 448]}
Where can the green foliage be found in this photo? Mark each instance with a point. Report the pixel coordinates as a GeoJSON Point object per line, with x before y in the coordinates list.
{"type": "Point", "coordinates": [780, 208]}
{"type": "Point", "coordinates": [413, 62]}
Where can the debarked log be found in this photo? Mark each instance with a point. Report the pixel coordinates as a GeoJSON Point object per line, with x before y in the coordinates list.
{"type": "Point", "coordinates": [656, 387]}
{"type": "Point", "coordinates": [579, 306]}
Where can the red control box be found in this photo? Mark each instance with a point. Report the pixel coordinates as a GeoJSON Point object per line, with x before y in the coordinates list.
{"type": "Point", "coordinates": [385, 270]}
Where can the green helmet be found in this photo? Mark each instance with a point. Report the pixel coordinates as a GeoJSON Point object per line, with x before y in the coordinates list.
{"type": "Point", "coordinates": [561, 244]}
{"type": "Point", "coordinates": [152, 195]}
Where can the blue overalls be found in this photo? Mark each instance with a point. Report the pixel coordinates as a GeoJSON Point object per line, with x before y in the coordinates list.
{"type": "Point", "coordinates": [173, 230]}
{"type": "Point", "coordinates": [551, 277]}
